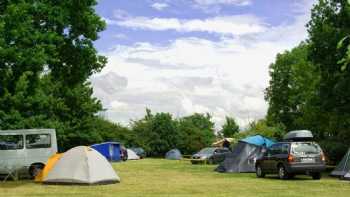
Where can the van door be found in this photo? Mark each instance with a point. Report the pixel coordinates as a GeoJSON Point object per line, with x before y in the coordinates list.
{"type": "Point", "coordinates": [38, 148]}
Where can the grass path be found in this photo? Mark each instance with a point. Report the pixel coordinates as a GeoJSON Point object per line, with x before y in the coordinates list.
{"type": "Point", "coordinates": [158, 177]}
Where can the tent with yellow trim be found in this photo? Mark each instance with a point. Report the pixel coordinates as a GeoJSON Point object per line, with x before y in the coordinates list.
{"type": "Point", "coordinates": [49, 165]}
{"type": "Point", "coordinates": [81, 165]}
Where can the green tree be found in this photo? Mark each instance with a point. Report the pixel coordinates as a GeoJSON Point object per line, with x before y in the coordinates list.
{"type": "Point", "coordinates": [230, 127]}
{"type": "Point", "coordinates": [261, 127]}
{"type": "Point", "coordinates": [327, 29]}
{"type": "Point", "coordinates": [196, 131]}
{"type": "Point", "coordinates": [46, 56]}
{"type": "Point", "coordinates": [156, 133]}
{"type": "Point", "coordinates": [292, 90]}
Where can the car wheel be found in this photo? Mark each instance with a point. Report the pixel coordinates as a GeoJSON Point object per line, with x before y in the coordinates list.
{"type": "Point", "coordinates": [259, 172]}
{"type": "Point", "coordinates": [316, 176]}
{"type": "Point", "coordinates": [35, 169]}
{"type": "Point", "coordinates": [210, 161]}
{"type": "Point", "coordinates": [282, 173]}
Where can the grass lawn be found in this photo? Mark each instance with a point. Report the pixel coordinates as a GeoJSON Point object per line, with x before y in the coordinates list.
{"type": "Point", "coordinates": [158, 177]}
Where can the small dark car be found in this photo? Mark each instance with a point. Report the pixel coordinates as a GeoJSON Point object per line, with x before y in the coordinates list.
{"type": "Point", "coordinates": [209, 155]}
{"type": "Point", "coordinates": [288, 159]}
{"type": "Point", "coordinates": [139, 152]}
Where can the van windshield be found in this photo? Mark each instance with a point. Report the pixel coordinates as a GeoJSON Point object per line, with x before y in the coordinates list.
{"type": "Point", "coordinates": [303, 148]}
{"type": "Point", "coordinates": [11, 142]}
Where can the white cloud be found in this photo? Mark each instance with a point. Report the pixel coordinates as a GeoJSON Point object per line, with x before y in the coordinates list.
{"type": "Point", "coordinates": [159, 6]}
{"type": "Point", "coordinates": [229, 25]}
{"type": "Point", "coordinates": [227, 2]}
{"type": "Point", "coordinates": [120, 36]}
{"type": "Point", "coordinates": [225, 77]}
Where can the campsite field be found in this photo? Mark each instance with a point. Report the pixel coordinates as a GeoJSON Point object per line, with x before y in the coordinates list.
{"type": "Point", "coordinates": [159, 177]}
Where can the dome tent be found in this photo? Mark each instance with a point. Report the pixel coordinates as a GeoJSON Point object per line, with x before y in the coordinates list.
{"type": "Point", "coordinates": [81, 165]}
{"type": "Point", "coordinates": [132, 155]}
{"type": "Point", "coordinates": [173, 154]}
{"type": "Point", "coordinates": [244, 154]}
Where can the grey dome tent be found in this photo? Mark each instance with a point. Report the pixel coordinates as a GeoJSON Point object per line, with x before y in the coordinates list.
{"type": "Point", "coordinates": [81, 165]}
{"type": "Point", "coordinates": [244, 154]}
{"type": "Point", "coordinates": [343, 168]}
{"type": "Point", "coordinates": [173, 154]}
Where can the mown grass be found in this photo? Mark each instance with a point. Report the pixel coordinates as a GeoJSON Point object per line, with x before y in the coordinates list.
{"type": "Point", "coordinates": [158, 177]}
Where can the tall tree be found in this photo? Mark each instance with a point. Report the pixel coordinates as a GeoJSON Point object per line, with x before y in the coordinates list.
{"type": "Point", "coordinates": [46, 56]}
{"type": "Point", "coordinates": [230, 127]}
{"type": "Point", "coordinates": [292, 90]}
{"type": "Point", "coordinates": [196, 131]}
{"type": "Point", "coordinates": [330, 23]}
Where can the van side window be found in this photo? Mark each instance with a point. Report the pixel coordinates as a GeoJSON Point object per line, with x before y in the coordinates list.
{"type": "Point", "coordinates": [11, 142]}
{"type": "Point", "coordinates": [38, 141]}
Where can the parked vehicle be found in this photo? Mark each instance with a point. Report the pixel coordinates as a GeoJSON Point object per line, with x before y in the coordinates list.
{"type": "Point", "coordinates": [211, 155]}
{"type": "Point", "coordinates": [123, 153]}
{"type": "Point", "coordinates": [139, 151]}
{"type": "Point", "coordinates": [26, 151]}
{"type": "Point", "coordinates": [288, 159]}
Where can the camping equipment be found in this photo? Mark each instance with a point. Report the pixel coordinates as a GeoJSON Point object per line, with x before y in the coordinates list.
{"type": "Point", "coordinates": [343, 168]}
{"type": "Point", "coordinates": [298, 135]}
{"type": "Point", "coordinates": [244, 154]}
{"type": "Point", "coordinates": [132, 155]}
{"type": "Point", "coordinates": [173, 154]}
{"type": "Point", "coordinates": [110, 150]}
{"type": "Point", "coordinates": [81, 165]}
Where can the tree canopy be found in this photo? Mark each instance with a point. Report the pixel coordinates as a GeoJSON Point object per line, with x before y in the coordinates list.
{"type": "Point", "coordinates": [310, 84]}
{"type": "Point", "coordinates": [230, 127]}
{"type": "Point", "coordinates": [46, 57]}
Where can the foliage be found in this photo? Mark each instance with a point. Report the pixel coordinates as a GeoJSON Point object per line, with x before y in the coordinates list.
{"type": "Point", "coordinates": [310, 85]}
{"type": "Point", "coordinates": [196, 131]}
{"type": "Point", "coordinates": [230, 127]}
{"type": "Point", "coordinates": [158, 133]}
{"type": "Point", "coordinates": [292, 88]}
{"type": "Point", "coordinates": [46, 56]}
{"type": "Point", "coordinates": [261, 127]}
{"type": "Point", "coordinates": [328, 31]}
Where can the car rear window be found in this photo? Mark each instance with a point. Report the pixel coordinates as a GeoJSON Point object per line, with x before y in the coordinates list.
{"type": "Point", "coordinates": [303, 148]}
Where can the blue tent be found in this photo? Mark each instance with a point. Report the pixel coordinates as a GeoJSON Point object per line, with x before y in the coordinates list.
{"type": "Point", "coordinates": [173, 154]}
{"type": "Point", "coordinates": [110, 150]}
{"type": "Point", "coordinates": [258, 140]}
{"type": "Point", "coordinates": [244, 154]}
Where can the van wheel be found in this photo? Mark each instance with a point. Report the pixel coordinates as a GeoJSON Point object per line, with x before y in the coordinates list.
{"type": "Point", "coordinates": [35, 169]}
{"type": "Point", "coordinates": [259, 172]}
{"type": "Point", "coordinates": [316, 176]}
{"type": "Point", "coordinates": [282, 173]}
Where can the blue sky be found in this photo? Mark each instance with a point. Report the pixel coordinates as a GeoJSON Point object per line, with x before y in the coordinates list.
{"type": "Point", "coordinates": [186, 56]}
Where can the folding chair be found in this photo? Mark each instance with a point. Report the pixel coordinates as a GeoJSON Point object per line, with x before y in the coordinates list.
{"type": "Point", "coordinates": [12, 172]}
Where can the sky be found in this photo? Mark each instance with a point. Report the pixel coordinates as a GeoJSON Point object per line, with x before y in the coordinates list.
{"type": "Point", "coordinates": [187, 56]}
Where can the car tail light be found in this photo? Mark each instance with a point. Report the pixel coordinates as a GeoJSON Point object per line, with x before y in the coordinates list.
{"type": "Point", "coordinates": [323, 158]}
{"type": "Point", "coordinates": [290, 158]}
